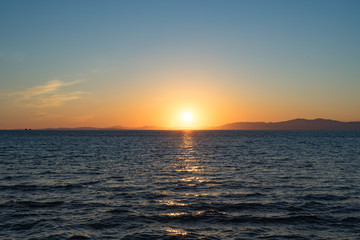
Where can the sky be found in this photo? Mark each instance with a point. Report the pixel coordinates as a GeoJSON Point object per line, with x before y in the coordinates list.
{"type": "Point", "coordinates": [140, 62]}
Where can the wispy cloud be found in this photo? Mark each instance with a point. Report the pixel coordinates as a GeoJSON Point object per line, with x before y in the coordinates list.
{"type": "Point", "coordinates": [49, 87]}
{"type": "Point", "coordinates": [51, 94]}
{"type": "Point", "coordinates": [54, 100]}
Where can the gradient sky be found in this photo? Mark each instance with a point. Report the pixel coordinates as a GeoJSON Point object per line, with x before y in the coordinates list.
{"type": "Point", "coordinates": [134, 63]}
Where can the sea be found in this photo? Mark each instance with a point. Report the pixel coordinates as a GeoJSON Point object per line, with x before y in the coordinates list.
{"type": "Point", "coordinates": [179, 184]}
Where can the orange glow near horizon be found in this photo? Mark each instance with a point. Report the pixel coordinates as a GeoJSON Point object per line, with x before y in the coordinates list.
{"type": "Point", "coordinates": [174, 99]}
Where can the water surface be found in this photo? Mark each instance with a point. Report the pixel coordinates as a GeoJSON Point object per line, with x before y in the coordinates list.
{"type": "Point", "coordinates": [179, 184]}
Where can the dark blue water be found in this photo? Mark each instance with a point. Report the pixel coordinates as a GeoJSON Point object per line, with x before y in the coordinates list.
{"type": "Point", "coordinates": [179, 185]}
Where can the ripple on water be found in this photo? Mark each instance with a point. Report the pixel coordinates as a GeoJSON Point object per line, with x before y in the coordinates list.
{"type": "Point", "coordinates": [179, 185]}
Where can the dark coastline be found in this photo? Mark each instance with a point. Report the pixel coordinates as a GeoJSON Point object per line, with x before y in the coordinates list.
{"type": "Point", "coordinates": [295, 124]}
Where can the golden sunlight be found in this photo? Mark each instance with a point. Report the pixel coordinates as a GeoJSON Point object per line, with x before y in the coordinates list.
{"type": "Point", "coordinates": [187, 116]}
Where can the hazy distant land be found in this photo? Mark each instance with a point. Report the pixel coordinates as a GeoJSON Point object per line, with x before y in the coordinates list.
{"type": "Point", "coordinates": [295, 124]}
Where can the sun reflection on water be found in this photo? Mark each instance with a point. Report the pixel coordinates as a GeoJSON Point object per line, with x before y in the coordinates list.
{"type": "Point", "coordinates": [187, 183]}
{"type": "Point", "coordinates": [189, 158]}
{"type": "Point", "coordinates": [178, 232]}
{"type": "Point", "coordinates": [171, 203]}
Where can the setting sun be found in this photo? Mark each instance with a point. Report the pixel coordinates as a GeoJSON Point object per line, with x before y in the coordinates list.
{"type": "Point", "coordinates": [187, 116]}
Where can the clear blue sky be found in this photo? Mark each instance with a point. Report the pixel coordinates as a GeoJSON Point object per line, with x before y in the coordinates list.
{"type": "Point", "coordinates": [299, 58]}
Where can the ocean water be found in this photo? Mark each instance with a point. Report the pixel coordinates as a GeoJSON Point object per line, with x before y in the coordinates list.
{"type": "Point", "coordinates": [180, 184]}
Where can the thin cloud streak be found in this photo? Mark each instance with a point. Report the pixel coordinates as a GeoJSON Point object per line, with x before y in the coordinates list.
{"type": "Point", "coordinates": [48, 95]}
{"type": "Point", "coordinates": [49, 87]}
{"type": "Point", "coordinates": [54, 100]}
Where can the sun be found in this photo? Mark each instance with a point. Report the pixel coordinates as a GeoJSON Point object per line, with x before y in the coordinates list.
{"type": "Point", "coordinates": [187, 116]}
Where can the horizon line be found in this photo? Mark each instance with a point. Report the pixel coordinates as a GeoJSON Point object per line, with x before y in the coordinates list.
{"type": "Point", "coordinates": [159, 128]}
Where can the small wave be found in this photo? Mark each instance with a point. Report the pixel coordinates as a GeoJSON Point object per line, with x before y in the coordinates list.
{"type": "Point", "coordinates": [78, 237]}
{"type": "Point", "coordinates": [230, 206]}
{"type": "Point", "coordinates": [33, 204]}
{"type": "Point", "coordinates": [350, 223]}
{"type": "Point", "coordinates": [88, 204]}
{"type": "Point", "coordinates": [226, 206]}
{"type": "Point", "coordinates": [118, 178]}
{"type": "Point", "coordinates": [167, 234]}
{"type": "Point", "coordinates": [212, 215]}
{"type": "Point", "coordinates": [29, 224]}
{"type": "Point", "coordinates": [307, 206]}
{"type": "Point", "coordinates": [112, 222]}
{"type": "Point", "coordinates": [324, 197]}
{"type": "Point", "coordinates": [311, 219]}
{"type": "Point", "coordinates": [67, 186]}
{"type": "Point", "coordinates": [11, 177]}
{"type": "Point", "coordinates": [209, 214]}
{"type": "Point", "coordinates": [243, 195]}
{"type": "Point", "coordinates": [119, 210]}
{"type": "Point", "coordinates": [69, 235]}
{"type": "Point", "coordinates": [287, 236]}
{"type": "Point", "coordinates": [22, 187]}
{"type": "Point", "coordinates": [75, 185]}
{"type": "Point", "coordinates": [351, 220]}
{"type": "Point", "coordinates": [31, 187]}
{"type": "Point", "coordinates": [124, 189]}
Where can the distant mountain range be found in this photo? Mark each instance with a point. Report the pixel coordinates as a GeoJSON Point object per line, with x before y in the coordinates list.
{"type": "Point", "coordinates": [295, 124]}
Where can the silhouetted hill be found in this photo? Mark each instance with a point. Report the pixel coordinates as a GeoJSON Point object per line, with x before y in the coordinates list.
{"type": "Point", "coordinates": [295, 124]}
